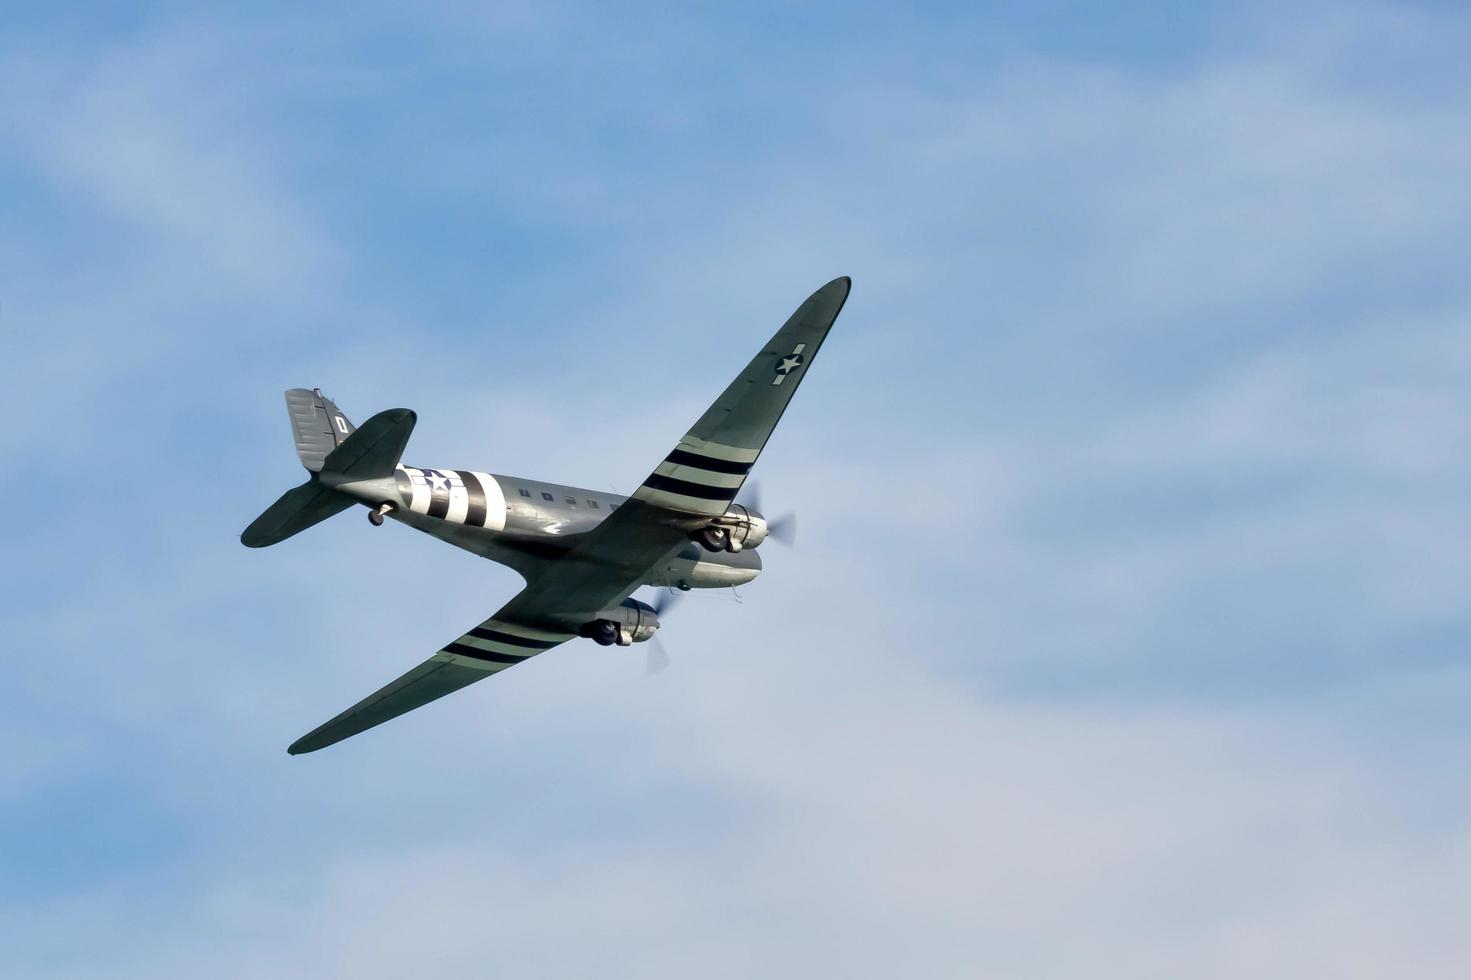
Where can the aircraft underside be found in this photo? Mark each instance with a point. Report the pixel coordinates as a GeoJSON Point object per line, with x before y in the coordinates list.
{"type": "Point", "coordinates": [582, 553]}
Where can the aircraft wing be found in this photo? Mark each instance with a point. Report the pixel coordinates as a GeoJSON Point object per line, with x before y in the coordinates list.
{"type": "Point", "coordinates": [695, 483]}
{"type": "Point", "coordinates": [487, 649]}
{"type": "Point", "coordinates": [704, 472]}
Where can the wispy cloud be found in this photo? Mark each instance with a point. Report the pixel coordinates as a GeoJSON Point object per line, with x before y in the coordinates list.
{"type": "Point", "coordinates": [1125, 632]}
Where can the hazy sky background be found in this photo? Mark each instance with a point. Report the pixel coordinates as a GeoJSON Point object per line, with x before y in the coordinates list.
{"type": "Point", "coordinates": [1127, 634]}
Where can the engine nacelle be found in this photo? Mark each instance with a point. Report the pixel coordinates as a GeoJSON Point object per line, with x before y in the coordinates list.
{"type": "Point", "coordinates": [628, 622]}
{"type": "Point", "coordinates": [749, 528]}
{"type": "Point", "coordinates": [738, 528]}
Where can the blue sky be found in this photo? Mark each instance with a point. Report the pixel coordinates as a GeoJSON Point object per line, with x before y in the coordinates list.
{"type": "Point", "coordinates": [1127, 633]}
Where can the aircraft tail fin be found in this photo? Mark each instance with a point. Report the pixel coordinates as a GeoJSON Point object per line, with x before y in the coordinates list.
{"type": "Point", "coordinates": [317, 424]}
{"type": "Point", "coordinates": [372, 452]}
{"type": "Point", "coordinates": [329, 446]}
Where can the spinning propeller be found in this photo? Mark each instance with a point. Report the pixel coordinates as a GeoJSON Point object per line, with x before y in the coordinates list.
{"type": "Point", "coordinates": [657, 657]}
{"type": "Point", "coordinates": [783, 529]}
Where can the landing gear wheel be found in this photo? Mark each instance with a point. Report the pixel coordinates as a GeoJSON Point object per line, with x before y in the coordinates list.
{"type": "Point", "coordinates": [715, 538]}
{"type": "Point", "coordinates": [605, 633]}
{"type": "Point", "coordinates": [376, 515]}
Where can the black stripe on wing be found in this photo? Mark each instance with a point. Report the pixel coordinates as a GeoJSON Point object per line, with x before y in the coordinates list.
{"type": "Point", "coordinates": [491, 656]}
{"type": "Point", "coordinates": [671, 485]}
{"type": "Point", "coordinates": [684, 457]}
{"type": "Point", "coordinates": [481, 633]}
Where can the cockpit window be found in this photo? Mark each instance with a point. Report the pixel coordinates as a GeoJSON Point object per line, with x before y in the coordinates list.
{"type": "Point", "coordinates": [524, 491]}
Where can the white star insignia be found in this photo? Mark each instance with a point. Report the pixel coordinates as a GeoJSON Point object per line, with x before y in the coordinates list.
{"type": "Point", "coordinates": [788, 364]}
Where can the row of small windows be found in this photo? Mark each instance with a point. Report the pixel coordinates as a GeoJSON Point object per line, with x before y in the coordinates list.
{"type": "Point", "coordinates": [572, 501]}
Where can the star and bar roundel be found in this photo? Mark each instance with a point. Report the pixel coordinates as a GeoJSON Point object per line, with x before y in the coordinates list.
{"type": "Point", "coordinates": [788, 363]}
{"type": "Point", "coordinates": [458, 496]}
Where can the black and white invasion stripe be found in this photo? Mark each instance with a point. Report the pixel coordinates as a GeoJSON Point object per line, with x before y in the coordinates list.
{"type": "Point", "coordinates": [496, 644]}
{"type": "Point", "coordinates": [457, 496]}
{"type": "Point", "coordinates": [698, 477]}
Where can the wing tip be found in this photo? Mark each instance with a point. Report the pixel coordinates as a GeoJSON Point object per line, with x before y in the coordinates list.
{"type": "Point", "coordinates": [834, 291]}
{"type": "Point", "coordinates": [394, 417]}
{"type": "Point", "coordinates": [304, 745]}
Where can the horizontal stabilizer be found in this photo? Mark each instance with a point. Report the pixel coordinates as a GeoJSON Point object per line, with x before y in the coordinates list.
{"type": "Point", "coordinates": [298, 509]}
{"type": "Point", "coordinates": [373, 451]}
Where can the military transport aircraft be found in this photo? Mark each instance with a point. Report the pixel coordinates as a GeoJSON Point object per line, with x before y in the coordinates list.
{"type": "Point", "coordinates": [583, 553]}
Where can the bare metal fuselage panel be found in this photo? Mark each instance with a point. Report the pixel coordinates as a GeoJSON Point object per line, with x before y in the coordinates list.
{"type": "Point", "coordinates": [528, 524]}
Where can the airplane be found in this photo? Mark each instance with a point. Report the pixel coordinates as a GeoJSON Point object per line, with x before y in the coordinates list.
{"type": "Point", "coordinates": [583, 553]}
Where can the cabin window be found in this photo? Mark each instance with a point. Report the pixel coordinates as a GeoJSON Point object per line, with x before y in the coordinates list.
{"type": "Point", "coordinates": [545, 495]}
{"type": "Point", "coordinates": [572, 501]}
{"type": "Point", "coordinates": [593, 504]}
{"type": "Point", "coordinates": [524, 491]}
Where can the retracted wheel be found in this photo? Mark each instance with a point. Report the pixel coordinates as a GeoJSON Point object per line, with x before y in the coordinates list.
{"type": "Point", "coordinates": [715, 538]}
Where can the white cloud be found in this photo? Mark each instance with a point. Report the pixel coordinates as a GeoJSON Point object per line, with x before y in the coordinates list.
{"type": "Point", "coordinates": [890, 825]}
{"type": "Point", "coordinates": [839, 776]}
{"type": "Point", "coordinates": [163, 132]}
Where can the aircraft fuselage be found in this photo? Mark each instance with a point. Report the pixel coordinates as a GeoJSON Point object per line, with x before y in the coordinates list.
{"type": "Point", "coordinates": [519, 522]}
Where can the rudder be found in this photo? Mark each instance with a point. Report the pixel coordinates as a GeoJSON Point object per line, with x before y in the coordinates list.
{"type": "Point", "coordinates": [338, 455]}
{"type": "Point", "coordinates": [317, 424]}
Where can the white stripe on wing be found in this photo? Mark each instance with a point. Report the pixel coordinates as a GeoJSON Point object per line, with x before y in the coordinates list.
{"type": "Point", "coordinates": [736, 454]}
